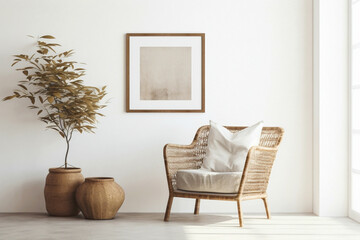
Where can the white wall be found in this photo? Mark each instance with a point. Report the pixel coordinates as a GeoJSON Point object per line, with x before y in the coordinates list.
{"type": "Point", "coordinates": [258, 66]}
{"type": "Point", "coordinates": [331, 107]}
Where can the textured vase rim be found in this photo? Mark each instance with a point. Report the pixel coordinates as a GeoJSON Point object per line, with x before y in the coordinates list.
{"type": "Point", "coordinates": [99, 179]}
{"type": "Point", "coordinates": [65, 170]}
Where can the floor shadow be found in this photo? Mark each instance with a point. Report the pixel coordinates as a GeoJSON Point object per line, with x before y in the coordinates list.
{"type": "Point", "coordinates": [183, 218]}
{"type": "Point", "coordinates": [201, 219]}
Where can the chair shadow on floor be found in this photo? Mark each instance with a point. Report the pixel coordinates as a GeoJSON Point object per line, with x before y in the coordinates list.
{"type": "Point", "coordinates": [201, 219]}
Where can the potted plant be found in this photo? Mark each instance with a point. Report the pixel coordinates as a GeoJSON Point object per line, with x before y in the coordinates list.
{"type": "Point", "coordinates": [54, 87]}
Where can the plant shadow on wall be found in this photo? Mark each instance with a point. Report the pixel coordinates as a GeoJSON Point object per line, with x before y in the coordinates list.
{"type": "Point", "coordinates": [53, 84]}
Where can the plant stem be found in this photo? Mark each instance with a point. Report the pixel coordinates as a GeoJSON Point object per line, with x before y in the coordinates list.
{"type": "Point", "coordinates": [67, 151]}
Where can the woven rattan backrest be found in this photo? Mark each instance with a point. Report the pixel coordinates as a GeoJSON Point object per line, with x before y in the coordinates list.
{"type": "Point", "coordinates": [258, 167]}
{"type": "Point", "coordinates": [191, 157]}
{"type": "Point", "coordinates": [270, 137]}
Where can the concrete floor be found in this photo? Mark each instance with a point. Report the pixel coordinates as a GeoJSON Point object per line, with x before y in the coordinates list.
{"type": "Point", "coordinates": [181, 226]}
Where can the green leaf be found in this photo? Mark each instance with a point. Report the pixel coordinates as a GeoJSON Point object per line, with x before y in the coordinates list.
{"type": "Point", "coordinates": [58, 95]}
{"type": "Point", "coordinates": [8, 98]}
{"type": "Point", "coordinates": [32, 99]}
{"type": "Point", "coordinates": [47, 37]}
{"type": "Point", "coordinates": [50, 99]}
{"type": "Point", "coordinates": [29, 68]}
{"type": "Point", "coordinates": [22, 86]}
{"type": "Point", "coordinates": [14, 63]}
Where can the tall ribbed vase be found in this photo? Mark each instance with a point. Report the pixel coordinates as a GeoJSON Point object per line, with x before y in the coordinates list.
{"type": "Point", "coordinates": [99, 198]}
{"type": "Point", "coordinates": [60, 188]}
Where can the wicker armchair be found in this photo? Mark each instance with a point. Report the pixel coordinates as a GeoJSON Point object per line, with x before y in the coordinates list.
{"type": "Point", "coordinates": [255, 176]}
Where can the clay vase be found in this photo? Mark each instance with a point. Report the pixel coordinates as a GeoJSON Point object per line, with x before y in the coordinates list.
{"type": "Point", "coordinates": [60, 188]}
{"type": "Point", "coordinates": [99, 198]}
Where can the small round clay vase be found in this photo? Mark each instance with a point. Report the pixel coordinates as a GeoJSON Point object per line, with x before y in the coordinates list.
{"type": "Point", "coordinates": [60, 189]}
{"type": "Point", "coordinates": [99, 198]}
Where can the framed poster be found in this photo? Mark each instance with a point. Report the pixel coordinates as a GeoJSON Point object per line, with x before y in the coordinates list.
{"type": "Point", "coordinates": [165, 72]}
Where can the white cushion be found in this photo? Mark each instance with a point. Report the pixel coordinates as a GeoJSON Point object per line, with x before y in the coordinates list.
{"type": "Point", "coordinates": [227, 151]}
{"type": "Point", "coordinates": [200, 180]}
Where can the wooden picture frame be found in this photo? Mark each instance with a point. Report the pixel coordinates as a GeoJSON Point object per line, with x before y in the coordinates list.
{"type": "Point", "coordinates": [165, 72]}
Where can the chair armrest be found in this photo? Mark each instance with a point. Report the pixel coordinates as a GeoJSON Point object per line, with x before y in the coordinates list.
{"type": "Point", "coordinates": [257, 170]}
{"type": "Point", "coordinates": [177, 157]}
{"type": "Point", "coordinates": [262, 149]}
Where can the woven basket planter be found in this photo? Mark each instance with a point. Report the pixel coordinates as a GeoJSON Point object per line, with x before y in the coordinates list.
{"type": "Point", "coordinates": [99, 198]}
{"type": "Point", "coordinates": [60, 188]}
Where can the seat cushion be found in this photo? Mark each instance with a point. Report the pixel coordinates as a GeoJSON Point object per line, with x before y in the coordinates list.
{"type": "Point", "coordinates": [201, 180]}
{"type": "Point", "coordinates": [227, 151]}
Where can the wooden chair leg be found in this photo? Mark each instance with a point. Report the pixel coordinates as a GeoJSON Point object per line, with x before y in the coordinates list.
{"type": "Point", "coordinates": [239, 213]}
{"type": "Point", "coordinates": [266, 208]}
{"type": "Point", "coordinates": [168, 208]}
{"type": "Point", "coordinates": [197, 206]}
